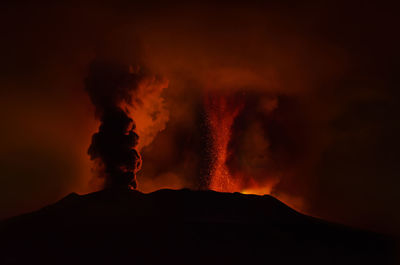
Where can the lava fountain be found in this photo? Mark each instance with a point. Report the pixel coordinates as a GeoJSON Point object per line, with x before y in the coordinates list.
{"type": "Point", "coordinates": [221, 112]}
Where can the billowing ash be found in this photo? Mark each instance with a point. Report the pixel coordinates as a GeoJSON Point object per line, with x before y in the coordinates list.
{"type": "Point", "coordinates": [110, 86]}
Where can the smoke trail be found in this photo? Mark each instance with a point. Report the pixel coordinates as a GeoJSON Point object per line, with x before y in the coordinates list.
{"type": "Point", "coordinates": [110, 86]}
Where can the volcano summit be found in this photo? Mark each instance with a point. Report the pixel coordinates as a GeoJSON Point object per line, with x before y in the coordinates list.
{"type": "Point", "coordinates": [121, 226]}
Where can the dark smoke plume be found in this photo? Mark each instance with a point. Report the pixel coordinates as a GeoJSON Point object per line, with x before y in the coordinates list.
{"type": "Point", "coordinates": [111, 85]}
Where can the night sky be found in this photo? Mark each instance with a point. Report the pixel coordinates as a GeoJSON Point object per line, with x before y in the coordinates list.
{"type": "Point", "coordinates": [324, 73]}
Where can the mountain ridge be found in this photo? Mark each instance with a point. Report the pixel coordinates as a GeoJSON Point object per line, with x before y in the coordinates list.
{"type": "Point", "coordinates": [184, 227]}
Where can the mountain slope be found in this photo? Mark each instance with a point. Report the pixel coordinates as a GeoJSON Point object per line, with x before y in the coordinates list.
{"type": "Point", "coordinates": [182, 227]}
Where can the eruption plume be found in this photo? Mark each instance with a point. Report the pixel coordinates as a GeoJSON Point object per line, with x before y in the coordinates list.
{"type": "Point", "coordinates": [221, 112]}
{"type": "Point", "coordinates": [110, 86]}
{"type": "Point", "coordinates": [242, 159]}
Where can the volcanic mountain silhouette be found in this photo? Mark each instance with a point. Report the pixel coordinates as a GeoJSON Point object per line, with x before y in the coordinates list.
{"type": "Point", "coordinates": [118, 226]}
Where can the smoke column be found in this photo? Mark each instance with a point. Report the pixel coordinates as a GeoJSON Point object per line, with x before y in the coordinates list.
{"type": "Point", "coordinates": [110, 86]}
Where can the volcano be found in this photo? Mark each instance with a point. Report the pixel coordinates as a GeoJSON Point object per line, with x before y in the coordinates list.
{"type": "Point", "coordinates": [121, 226]}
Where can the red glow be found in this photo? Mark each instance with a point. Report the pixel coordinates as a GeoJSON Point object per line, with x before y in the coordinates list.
{"type": "Point", "coordinates": [221, 113]}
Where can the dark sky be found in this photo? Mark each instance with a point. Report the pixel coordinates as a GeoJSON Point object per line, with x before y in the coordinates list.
{"type": "Point", "coordinates": [332, 65]}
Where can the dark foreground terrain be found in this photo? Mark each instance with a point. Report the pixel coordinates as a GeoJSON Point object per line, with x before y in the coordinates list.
{"type": "Point", "coordinates": [183, 227]}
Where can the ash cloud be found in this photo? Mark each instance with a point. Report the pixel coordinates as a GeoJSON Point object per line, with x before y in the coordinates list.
{"type": "Point", "coordinates": [110, 85]}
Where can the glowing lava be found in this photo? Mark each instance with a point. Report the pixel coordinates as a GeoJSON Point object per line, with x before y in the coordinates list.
{"type": "Point", "coordinates": [221, 112]}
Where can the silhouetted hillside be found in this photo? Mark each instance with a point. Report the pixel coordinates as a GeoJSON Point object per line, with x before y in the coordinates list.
{"type": "Point", "coordinates": [182, 227]}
